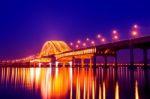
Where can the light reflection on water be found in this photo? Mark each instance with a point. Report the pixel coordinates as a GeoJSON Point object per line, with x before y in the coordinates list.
{"type": "Point", "coordinates": [74, 83]}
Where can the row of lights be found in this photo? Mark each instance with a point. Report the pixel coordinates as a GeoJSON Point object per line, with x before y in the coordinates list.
{"type": "Point", "coordinates": [88, 42]}
{"type": "Point", "coordinates": [18, 60]}
{"type": "Point", "coordinates": [115, 37]}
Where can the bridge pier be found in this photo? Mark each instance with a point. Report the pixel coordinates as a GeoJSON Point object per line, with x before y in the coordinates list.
{"type": "Point", "coordinates": [82, 62]}
{"type": "Point", "coordinates": [63, 64]}
{"type": "Point", "coordinates": [94, 61]}
{"type": "Point", "coordinates": [145, 56]}
{"type": "Point", "coordinates": [116, 60]}
{"type": "Point", "coordinates": [90, 65]}
{"type": "Point", "coordinates": [73, 62]}
{"type": "Point", "coordinates": [105, 59]}
{"type": "Point", "coordinates": [131, 56]}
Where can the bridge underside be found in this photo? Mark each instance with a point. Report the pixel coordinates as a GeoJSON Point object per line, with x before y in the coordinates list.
{"type": "Point", "coordinates": [71, 58]}
{"type": "Point", "coordinates": [109, 49]}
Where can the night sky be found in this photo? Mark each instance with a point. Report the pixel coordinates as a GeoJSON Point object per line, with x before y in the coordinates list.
{"type": "Point", "coordinates": [26, 24]}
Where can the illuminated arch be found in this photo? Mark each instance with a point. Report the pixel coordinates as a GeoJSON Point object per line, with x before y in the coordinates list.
{"type": "Point", "coordinates": [54, 47]}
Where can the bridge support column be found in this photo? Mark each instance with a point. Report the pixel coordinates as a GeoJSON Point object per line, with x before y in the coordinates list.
{"type": "Point", "coordinates": [145, 56]}
{"type": "Point", "coordinates": [63, 64]}
{"type": "Point", "coordinates": [131, 56]}
{"type": "Point", "coordinates": [105, 58]}
{"type": "Point", "coordinates": [73, 62]}
{"type": "Point", "coordinates": [94, 61]}
{"type": "Point", "coordinates": [82, 62]}
{"type": "Point", "coordinates": [90, 65]}
{"type": "Point", "coordinates": [116, 60]}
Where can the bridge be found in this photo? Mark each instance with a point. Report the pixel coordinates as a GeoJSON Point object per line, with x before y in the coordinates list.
{"type": "Point", "coordinates": [60, 52]}
{"type": "Point", "coordinates": [55, 52]}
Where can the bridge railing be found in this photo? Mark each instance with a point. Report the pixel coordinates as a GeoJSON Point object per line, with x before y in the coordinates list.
{"type": "Point", "coordinates": [76, 53]}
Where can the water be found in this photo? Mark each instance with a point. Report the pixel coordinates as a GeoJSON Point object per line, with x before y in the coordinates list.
{"type": "Point", "coordinates": [74, 83]}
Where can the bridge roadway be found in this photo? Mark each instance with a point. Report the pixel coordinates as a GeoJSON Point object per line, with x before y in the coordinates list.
{"type": "Point", "coordinates": [91, 53]}
{"type": "Point", "coordinates": [108, 49]}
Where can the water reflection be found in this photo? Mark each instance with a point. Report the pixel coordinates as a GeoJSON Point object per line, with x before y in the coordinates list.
{"type": "Point", "coordinates": [136, 90]}
{"type": "Point", "coordinates": [76, 83]}
{"type": "Point", "coordinates": [117, 91]}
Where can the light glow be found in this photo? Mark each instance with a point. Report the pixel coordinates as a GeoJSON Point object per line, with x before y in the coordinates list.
{"type": "Point", "coordinates": [92, 42]}
{"type": "Point", "coordinates": [78, 41]}
{"type": "Point", "coordinates": [84, 44]}
{"type": "Point", "coordinates": [71, 44]}
{"type": "Point", "coordinates": [103, 40]}
{"type": "Point", "coordinates": [114, 31]}
{"type": "Point", "coordinates": [98, 36]}
{"type": "Point", "coordinates": [87, 39]}
{"type": "Point", "coordinates": [135, 26]}
{"type": "Point", "coordinates": [134, 33]}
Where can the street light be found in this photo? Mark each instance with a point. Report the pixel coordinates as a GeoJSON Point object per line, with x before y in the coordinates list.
{"type": "Point", "coordinates": [115, 35]}
{"type": "Point", "coordinates": [135, 26]}
{"type": "Point", "coordinates": [87, 39]}
{"type": "Point", "coordinates": [134, 33]}
{"type": "Point", "coordinates": [114, 32]}
{"type": "Point", "coordinates": [84, 44]}
{"type": "Point", "coordinates": [103, 40]}
{"type": "Point", "coordinates": [92, 42]}
{"type": "Point", "coordinates": [71, 44]}
{"type": "Point", "coordinates": [99, 36]}
{"type": "Point", "coordinates": [77, 46]}
{"type": "Point", "coordinates": [78, 41]}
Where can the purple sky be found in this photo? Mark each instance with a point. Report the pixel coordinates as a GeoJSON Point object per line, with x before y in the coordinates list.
{"type": "Point", "coordinates": [25, 25]}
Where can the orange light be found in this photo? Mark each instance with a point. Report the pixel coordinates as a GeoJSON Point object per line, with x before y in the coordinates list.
{"type": "Point", "coordinates": [59, 47]}
{"type": "Point", "coordinates": [136, 90]}
{"type": "Point", "coordinates": [134, 33]}
{"type": "Point", "coordinates": [117, 91]}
